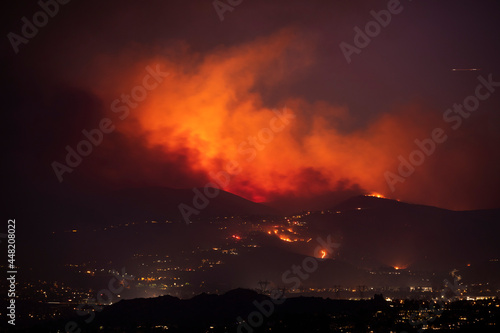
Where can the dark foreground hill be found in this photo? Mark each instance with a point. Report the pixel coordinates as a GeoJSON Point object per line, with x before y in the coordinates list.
{"type": "Point", "coordinates": [246, 311]}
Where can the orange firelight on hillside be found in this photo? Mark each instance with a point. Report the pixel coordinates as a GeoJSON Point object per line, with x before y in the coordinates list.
{"type": "Point", "coordinates": [376, 195]}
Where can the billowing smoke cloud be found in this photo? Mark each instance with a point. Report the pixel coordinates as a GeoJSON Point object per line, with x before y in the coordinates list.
{"type": "Point", "coordinates": [209, 113]}
{"type": "Point", "coordinates": [246, 116]}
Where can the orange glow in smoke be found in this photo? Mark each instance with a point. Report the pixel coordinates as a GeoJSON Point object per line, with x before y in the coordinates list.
{"type": "Point", "coordinates": [323, 254]}
{"type": "Point", "coordinates": [211, 114]}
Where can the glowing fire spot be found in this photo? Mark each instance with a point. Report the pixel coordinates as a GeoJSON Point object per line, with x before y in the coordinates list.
{"type": "Point", "coordinates": [236, 237]}
{"type": "Point", "coordinates": [404, 266]}
{"type": "Point", "coordinates": [376, 195]}
{"type": "Point", "coordinates": [286, 239]}
{"type": "Point", "coordinates": [283, 235]}
{"type": "Point", "coordinates": [323, 254]}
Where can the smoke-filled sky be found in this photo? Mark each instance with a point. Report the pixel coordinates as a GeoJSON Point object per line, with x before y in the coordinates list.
{"type": "Point", "coordinates": [280, 100]}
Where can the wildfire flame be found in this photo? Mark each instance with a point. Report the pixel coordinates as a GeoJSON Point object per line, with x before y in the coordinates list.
{"type": "Point", "coordinates": [400, 267]}
{"type": "Point", "coordinates": [323, 254]}
{"type": "Point", "coordinates": [285, 239]}
{"type": "Point", "coordinates": [376, 195]}
{"type": "Point", "coordinates": [286, 235]}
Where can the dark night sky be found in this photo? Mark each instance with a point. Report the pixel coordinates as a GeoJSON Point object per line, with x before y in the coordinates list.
{"type": "Point", "coordinates": [351, 123]}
